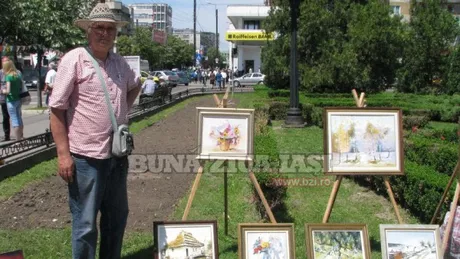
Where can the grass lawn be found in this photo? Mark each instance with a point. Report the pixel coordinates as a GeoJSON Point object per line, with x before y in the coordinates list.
{"type": "Point", "coordinates": [354, 204]}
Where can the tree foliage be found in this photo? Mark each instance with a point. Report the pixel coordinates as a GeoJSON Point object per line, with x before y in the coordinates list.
{"type": "Point", "coordinates": [341, 45]}
{"type": "Point", "coordinates": [43, 23]}
{"type": "Point", "coordinates": [175, 53]}
{"type": "Point", "coordinates": [430, 35]}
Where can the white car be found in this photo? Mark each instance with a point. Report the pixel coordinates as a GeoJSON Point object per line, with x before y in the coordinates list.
{"type": "Point", "coordinates": [249, 79]}
{"type": "Point", "coordinates": [171, 78]}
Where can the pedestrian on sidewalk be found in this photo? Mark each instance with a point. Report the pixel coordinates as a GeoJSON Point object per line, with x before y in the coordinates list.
{"type": "Point", "coordinates": [6, 116]}
{"type": "Point", "coordinates": [224, 78]}
{"type": "Point", "coordinates": [219, 79]}
{"type": "Point", "coordinates": [13, 79]}
{"type": "Point", "coordinates": [49, 81]}
{"type": "Point", "coordinates": [212, 79]}
{"type": "Point", "coordinates": [82, 130]}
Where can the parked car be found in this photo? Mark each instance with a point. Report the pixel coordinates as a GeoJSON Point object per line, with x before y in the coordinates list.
{"type": "Point", "coordinates": [249, 79]}
{"type": "Point", "coordinates": [30, 77]}
{"type": "Point", "coordinates": [171, 78]}
{"type": "Point", "coordinates": [183, 78]}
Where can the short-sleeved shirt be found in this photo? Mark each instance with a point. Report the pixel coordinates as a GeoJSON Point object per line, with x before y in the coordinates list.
{"type": "Point", "coordinates": [78, 90]}
{"type": "Point", "coordinates": [50, 77]}
{"type": "Point", "coordinates": [15, 87]}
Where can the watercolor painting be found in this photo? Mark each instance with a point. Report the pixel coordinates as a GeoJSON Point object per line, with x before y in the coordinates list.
{"type": "Point", "coordinates": [363, 141]}
{"type": "Point", "coordinates": [266, 241]}
{"type": "Point", "coordinates": [225, 133]}
{"type": "Point", "coordinates": [338, 244]}
{"type": "Point", "coordinates": [335, 240]}
{"type": "Point", "coordinates": [267, 245]}
{"type": "Point", "coordinates": [185, 240]}
{"type": "Point", "coordinates": [410, 241]}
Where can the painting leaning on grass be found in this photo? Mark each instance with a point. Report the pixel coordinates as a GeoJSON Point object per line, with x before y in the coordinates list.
{"type": "Point", "coordinates": [363, 141]}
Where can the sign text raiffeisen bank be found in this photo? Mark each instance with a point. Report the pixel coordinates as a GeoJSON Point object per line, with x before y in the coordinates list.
{"type": "Point", "coordinates": [249, 36]}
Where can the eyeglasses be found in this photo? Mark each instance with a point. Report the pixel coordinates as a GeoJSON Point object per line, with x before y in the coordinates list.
{"type": "Point", "coordinates": [99, 29]}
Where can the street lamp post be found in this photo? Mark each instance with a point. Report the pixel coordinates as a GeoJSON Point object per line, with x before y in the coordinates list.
{"type": "Point", "coordinates": [217, 29]}
{"type": "Point", "coordinates": [294, 114]}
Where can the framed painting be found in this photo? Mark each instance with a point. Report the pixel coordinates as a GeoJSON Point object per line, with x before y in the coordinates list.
{"type": "Point", "coordinates": [266, 240]}
{"type": "Point", "coordinates": [225, 133]}
{"type": "Point", "coordinates": [410, 241]}
{"type": "Point", "coordinates": [363, 141]}
{"type": "Point", "coordinates": [185, 239]}
{"type": "Point", "coordinates": [337, 241]}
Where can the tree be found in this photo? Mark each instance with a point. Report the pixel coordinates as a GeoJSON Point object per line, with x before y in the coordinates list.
{"type": "Point", "coordinates": [430, 35]}
{"type": "Point", "coordinates": [212, 55]}
{"type": "Point", "coordinates": [453, 74]}
{"type": "Point", "coordinates": [341, 44]}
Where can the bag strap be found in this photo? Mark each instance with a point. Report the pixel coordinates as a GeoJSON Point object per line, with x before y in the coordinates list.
{"type": "Point", "coordinates": [104, 87]}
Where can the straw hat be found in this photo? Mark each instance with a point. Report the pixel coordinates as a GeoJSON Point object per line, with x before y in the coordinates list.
{"type": "Point", "coordinates": [100, 13]}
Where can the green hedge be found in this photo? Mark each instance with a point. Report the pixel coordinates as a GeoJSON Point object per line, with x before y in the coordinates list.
{"type": "Point", "coordinates": [266, 162]}
{"type": "Point", "coordinates": [440, 155]}
{"type": "Point", "coordinates": [411, 121]}
{"type": "Point", "coordinates": [419, 190]}
{"type": "Point", "coordinates": [278, 93]}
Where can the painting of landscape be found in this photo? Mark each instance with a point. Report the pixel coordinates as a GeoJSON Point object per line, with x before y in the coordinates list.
{"type": "Point", "coordinates": [411, 244]}
{"type": "Point", "coordinates": [338, 244]}
{"type": "Point", "coordinates": [363, 142]}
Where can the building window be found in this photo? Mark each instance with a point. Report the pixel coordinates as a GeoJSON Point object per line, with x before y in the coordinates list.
{"type": "Point", "coordinates": [162, 8]}
{"type": "Point", "coordinates": [252, 25]}
{"type": "Point", "coordinates": [396, 9]}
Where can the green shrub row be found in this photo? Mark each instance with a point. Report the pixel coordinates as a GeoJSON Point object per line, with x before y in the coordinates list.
{"type": "Point", "coordinates": [411, 121]}
{"type": "Point", "coordinates": [278, 93]}
{"type": "Point", "coordinates": [440, 155]}
{"type": "Point", "coordinates": [266, 161]}
{"type": "Point", "coordinates": [419, 190]}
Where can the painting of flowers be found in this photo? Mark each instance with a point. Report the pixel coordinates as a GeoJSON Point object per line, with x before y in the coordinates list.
{"type": "Point", "coordinates": [262, 241]}
{"type": "Point", "coordinates": [225, 134]}
{"type": "Point", "coordinates": [363, 141]}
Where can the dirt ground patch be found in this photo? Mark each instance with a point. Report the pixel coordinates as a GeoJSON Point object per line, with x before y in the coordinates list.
{"type": "Point", "coordinates": [151, 196]}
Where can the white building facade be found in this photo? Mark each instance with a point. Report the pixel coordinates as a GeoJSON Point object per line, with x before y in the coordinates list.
{"type": "Point", "coordinates": [246, 36]}
{"type": "Point", "coordinates": [157, 16]}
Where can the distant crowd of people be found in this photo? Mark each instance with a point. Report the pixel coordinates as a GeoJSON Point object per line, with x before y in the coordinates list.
{"type": "Point", "coordinates": [217, 77]}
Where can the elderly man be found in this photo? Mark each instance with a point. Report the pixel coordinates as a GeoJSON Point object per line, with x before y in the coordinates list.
{"type": "Point", "coordinates": [49, 81]}
{"type": "Point", "coordinates": [82, 129]}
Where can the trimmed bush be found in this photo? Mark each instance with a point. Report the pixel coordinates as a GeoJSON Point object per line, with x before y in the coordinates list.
{"type": "Point", "coordinates": [415, 121]}
{"type": "Point", "coordinates": [317, 117]}
{"type": "Point", "coordinates": [440, 155]}
{"type": "Point", "coordinates": [278, 93]}
{"type": "Point", "coordinates": [419, 190]}
{"type": "Point", "coordinates": [278, 110]}
{"type": "Point", "coordinates": [266, 162]}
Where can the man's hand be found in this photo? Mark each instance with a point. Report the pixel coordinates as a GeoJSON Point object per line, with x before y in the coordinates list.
{"type": "Point", "coordinates": [66, 168]}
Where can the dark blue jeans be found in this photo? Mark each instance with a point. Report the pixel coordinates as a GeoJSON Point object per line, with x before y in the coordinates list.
{"type": "Point", "coordinates": [99, 185]}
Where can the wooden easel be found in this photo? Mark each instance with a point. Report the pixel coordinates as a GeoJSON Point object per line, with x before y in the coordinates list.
{"type": "Point", "coordinates": [223, 104]}
{"type": "Point", "coordinates": [453, 206]}
{"type": "Point", "coordinates": [360, 102]}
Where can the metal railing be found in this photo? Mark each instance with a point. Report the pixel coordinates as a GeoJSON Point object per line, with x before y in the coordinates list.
{"type": "Point", "coordinates": [46, 139]}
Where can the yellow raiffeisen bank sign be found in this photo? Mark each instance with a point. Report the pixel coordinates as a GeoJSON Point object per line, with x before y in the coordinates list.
{"type": "Point", "coordinates": [249, 36]}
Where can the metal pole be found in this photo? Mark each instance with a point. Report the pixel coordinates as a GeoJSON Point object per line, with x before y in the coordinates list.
{"type": "Point", "coordinates": [217, 33]}
{"type": "Point", "coordinates": [194, 32]}
{"type": "Point", "coordinates": [294, 114]}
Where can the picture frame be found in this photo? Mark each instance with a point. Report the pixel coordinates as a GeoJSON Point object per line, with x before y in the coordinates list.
{"type": "Point", "coordinates": [255, 239]}
{"type": "Point", "coordinates": [225, 133]}
{"type": "Point", "coordinates": [363, 141]}
{"type": "Point", "coordinates": [328, 239]}
{"type": "Point", "coordinates": [184, 239]}
{"type": "Point", "coordinates": [407, 240]}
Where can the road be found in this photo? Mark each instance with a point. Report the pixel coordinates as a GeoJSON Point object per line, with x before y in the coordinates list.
{"type": "Point", "coordinates": [37, 121]}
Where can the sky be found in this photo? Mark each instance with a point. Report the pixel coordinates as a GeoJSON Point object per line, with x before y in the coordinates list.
{"type": "Point", "coordinates": [206, 15]}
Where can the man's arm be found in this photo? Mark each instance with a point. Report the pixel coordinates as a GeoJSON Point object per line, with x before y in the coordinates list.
{"type": "Point", "coordinates": [59, 131]}
{"type": "Point", "coordinates": [132, 95]}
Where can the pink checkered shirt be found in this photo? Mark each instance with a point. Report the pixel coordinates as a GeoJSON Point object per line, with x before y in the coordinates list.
{"type": "Point", "coordinates": [78, 90]}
